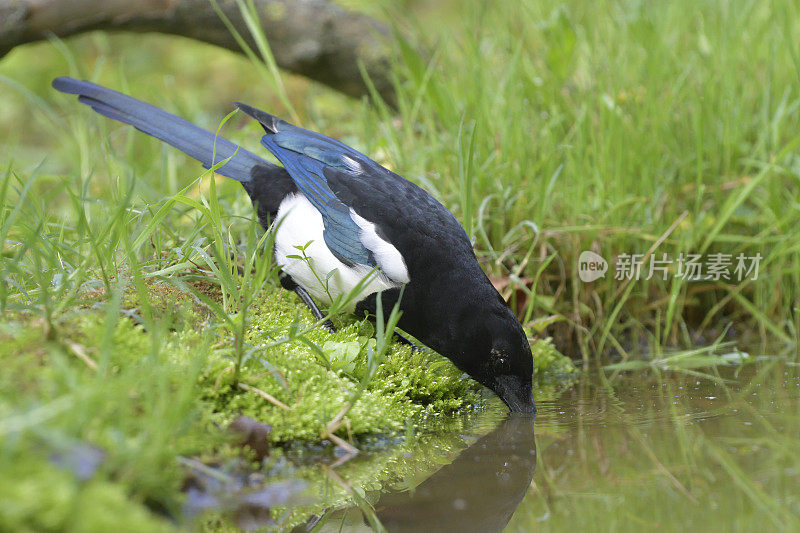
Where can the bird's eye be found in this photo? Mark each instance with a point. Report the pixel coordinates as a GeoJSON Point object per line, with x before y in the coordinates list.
{"type": "Point", "coordinates": [499, 361]}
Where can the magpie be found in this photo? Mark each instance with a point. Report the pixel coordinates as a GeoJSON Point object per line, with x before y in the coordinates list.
{"type": "Point", "coordinates": [361, 225]}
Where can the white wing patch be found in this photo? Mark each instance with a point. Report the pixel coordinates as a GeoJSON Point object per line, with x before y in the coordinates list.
{"type": "Point", "coordinates": [351, 164]}
{"type": "Point", "coordinates": [298, 223]}
{"type": "Point", "coordinates": [386, 255]}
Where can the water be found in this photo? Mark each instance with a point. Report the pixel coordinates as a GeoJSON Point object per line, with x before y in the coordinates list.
{"type": "Point", "coordinates": [479, 491]}
{"type": "Point", "coordinates": [670, 453]}
{"type": "Point", "coordinates": [666, 452]}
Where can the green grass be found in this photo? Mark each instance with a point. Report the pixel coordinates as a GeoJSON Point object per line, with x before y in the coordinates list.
{"type": "Point", "coordinates": [594, 128]}
{"type": "Point", "coordinates": [598, 125]}
{"type": "Point", "coordinates": [126, 286]}
{"type": "Point", "coordinates": [548, 130]}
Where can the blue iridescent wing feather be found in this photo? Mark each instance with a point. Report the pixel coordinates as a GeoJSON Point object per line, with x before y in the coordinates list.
{"type": "Point", "coordinates": [305, 156]}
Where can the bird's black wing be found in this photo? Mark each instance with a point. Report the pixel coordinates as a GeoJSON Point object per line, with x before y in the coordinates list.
{"type": "Point", "coordinates": [423, 230]}
{"type": "Point", "coordinates": [307, 155]}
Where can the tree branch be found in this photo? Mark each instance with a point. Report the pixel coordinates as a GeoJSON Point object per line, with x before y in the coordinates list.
{"type": "Point", "coordinates": [314, 38]}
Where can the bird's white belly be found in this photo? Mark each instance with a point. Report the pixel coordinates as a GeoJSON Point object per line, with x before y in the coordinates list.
{"type": "Point", "coordinates": [300, 226]}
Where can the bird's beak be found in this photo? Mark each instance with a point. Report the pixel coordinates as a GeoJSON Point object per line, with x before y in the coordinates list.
{"type": "Point", "coordinates": [527, 407]}
{"type": "Point", "coordinates": [517, 397]}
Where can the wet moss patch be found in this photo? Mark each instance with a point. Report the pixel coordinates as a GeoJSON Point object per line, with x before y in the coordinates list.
{"type": "Point", "coordinates": [315, 387]}
{"type": "Point", "coordinates": [147, 396]}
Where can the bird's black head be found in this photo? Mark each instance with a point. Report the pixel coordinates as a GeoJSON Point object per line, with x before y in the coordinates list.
{"type": "Point", "coordinates": [498, 356]}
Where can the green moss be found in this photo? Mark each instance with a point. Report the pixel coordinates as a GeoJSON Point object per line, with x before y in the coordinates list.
{"type": "Point", "coordinates": [128, 394]}
{"type": "Point", "coordinates": [36, 496]}
{"type": "Point", "coordinates": [550, 365]}
{"type": "Point", "coordinates": [145, 396]}
{"type": "Point", "coordinates": [406, 387]}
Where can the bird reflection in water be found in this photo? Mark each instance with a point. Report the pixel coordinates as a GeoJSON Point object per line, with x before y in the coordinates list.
{"type": "Point", "coordinates": [478, 491]}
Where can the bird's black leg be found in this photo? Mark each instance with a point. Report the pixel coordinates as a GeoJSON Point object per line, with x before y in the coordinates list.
{"type": "Point", "coordinates": [301, 292]}
{"type": "Point", "coordinates": [402, 339]}
{"type": "Point", "coordinates": [289, 284]}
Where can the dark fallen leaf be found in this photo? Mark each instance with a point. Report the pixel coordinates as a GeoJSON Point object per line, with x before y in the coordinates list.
{"type": "Point", "coordinates": [253, 435]}
{"type": "Point", "coordinates": [511, 291]}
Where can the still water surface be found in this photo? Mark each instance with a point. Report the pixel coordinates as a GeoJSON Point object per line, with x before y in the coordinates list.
{"type": "Point", "coordinates": [667, 452]}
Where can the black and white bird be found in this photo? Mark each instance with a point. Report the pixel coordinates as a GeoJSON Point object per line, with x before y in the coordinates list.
{"type": "Point", "coordinates": [361, 220]}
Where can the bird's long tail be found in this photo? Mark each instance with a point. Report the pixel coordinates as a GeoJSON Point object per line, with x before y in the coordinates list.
{"type": "Point", "coordinates": [185, 136]}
